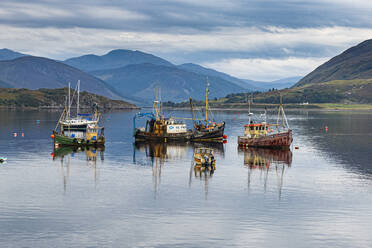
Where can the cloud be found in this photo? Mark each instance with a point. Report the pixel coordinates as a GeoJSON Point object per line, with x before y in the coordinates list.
{"type": "Point", "coordinates": [182, 16]}
{"type": "Point", "coordinates": [207, 32]}
{"type": "Point", "coordinates": [267, 69]}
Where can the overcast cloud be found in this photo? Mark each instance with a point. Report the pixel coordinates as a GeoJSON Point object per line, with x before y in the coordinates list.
{"type": "Point", "coordinates": [257, 39]}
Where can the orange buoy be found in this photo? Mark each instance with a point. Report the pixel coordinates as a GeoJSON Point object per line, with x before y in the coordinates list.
{"type": "Point", "coordinates": [235, 118]}
{"type": "Point", "coordinates": [52, 136]}
{"type": "Point", "coordinates": [23, 135]}
{"type": "Point", "coordinates": [224, 141]}
{"type": "Point", "coordinates": [326, 128]}
{"type": "Point", "coordinates": [15, 134]}
{"type": "Point", "coordinates": [225, 136]}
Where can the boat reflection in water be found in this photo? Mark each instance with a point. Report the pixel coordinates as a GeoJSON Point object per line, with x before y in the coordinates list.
{"type": "Point", "coordinates": [158, 154]}
{"type": "Point", "coordinates": [64, 154]}
{"type": "Point", "coordinates": [266, 161]}
{"type": "Point", "coordinates": [203, 165]}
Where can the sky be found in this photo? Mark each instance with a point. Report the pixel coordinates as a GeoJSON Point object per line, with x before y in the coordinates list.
{"type": "Point", "coordinates": [251, 39]}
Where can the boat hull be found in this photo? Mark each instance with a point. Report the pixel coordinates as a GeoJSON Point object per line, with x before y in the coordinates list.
{"type": "Point", "coordinates": [147, 136]}
{"type": "Point", "coordinates": [274, 141]}
{"type": "Point", "coordinates": [215, 135]}
{"type": "Point", "coordinates": [209, 135]}
{"type": "Point", "coordinates": [61, 140]}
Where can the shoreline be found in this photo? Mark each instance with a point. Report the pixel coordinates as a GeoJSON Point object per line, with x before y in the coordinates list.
{"type": "Point", "coordinates": [289, 107]}
{"type": "Point", "coordinates": [241, 108]}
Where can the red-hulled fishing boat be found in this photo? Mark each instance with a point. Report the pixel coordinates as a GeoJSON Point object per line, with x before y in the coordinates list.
{"type": "Point", "coordinates": [277, 136]}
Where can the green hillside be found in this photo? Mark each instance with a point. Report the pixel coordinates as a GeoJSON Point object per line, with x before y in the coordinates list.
{"type": "Point", "coordinates": [338, 91]}
{"type": "Point", "coordinates": [55, 98]}
{"type": "Point", "coordinates": [354, 63]}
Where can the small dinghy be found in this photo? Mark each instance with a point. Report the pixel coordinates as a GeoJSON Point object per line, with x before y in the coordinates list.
{"type": "Point", "coordinates": [3, 159]}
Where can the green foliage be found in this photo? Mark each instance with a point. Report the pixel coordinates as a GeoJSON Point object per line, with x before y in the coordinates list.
{"type": "Point", "coordinates": [55, 98]}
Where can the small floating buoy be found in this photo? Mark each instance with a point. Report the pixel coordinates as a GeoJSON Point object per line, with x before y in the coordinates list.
{"type": "Point", "coordinates": [225, 136]}
{"type": "Point", "coordinates": [224, 141]}
{"type": "Point", "coordinates": [52, 136]}
{"type": "Point", "coordinates": [296, 147]}
{"type": "Point", "coordinates": [326, 128]}
{"type": "Point", "coordinates": [235, 118]}
{"type": "Point", "coordinates": [23, 135]}
{"type": "Point", "coordinates": [15, 134]}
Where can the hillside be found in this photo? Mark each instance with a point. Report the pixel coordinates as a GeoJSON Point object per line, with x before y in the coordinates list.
{"type": "Point", "coordinates": [55, 98]}
{"type": "Point", "coordinates": [354, 63]}
{"type": "Point", "coordinates": [357, 91]}
{"type": "Point", "coordinates": [36, 72]}
{"type": "Point", "coordinates": [7, 54]}
{"type": "Point", "coordinates": [175, 84]}
{"type": "Point", "coordinates": [114, 59]}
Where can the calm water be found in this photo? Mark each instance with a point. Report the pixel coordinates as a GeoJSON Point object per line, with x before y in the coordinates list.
{"type": "Point", "coordinates": [150, 196]}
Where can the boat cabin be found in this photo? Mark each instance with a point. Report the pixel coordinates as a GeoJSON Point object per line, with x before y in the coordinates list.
{"type": "Point", "coordinates": [162, 126]}
{"type": "Point", "coordinates": [254, 130]}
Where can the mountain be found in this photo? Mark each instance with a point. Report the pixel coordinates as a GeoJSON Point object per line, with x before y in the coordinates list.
{"type": "Point", "coordinates": [248, 84]}
{"type": "Point", "coordinates": [277, 84]}
{"type": "Point", "coordinates": [213, 73]}
{"type": "Point", "coordinates": [114, 59]}
{"type": "Point", "coordinates": [36, 72]}
{"type": "Point", "coordinates": [139, 80]}
{"type": "Point", "coordinates": [55, 98]}
{"type": "Point", "coordinates": [354, 63]}
{"type": "Point", "coordinates": [6, 54]}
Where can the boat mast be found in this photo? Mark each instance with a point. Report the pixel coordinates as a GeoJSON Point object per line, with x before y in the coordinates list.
{"type": "Point", "coordinates": [156, 103]}
{"type": "Point", "coordinates": [78, 98]}
{"type": "Point", "coordinates": [69, 101]}
{"type": "Point", "coordinates": [193, 112]}
{"type": "Point", "coordinates": [206, 103]}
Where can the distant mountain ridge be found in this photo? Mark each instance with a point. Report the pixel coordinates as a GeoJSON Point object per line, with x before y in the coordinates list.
{"type": "Point", "coordinates": [354, 63]}
{"type": "Point", "coordinates": [114, 59]}
{"type": "Point", "coordinates": [123, 73]}
{"type": "Point", "coordinates": [139, 80]}
{"type": "Point", "coordinates": [36, 72]}
{"type": "Point", "coordinates": [7, 54]}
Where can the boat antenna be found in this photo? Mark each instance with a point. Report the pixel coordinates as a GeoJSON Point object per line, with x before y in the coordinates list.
{"type": "Point", "coordinates": [78, 98]}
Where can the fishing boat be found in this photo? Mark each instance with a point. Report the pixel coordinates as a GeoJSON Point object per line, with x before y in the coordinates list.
{"type": "Point", "coordinates": [207, 129]}
{"type": "Point", "coordinates": [158, 127]}
{"type": "Point", "coordinates": [266, 135]}
{"type": "Point", "coordinates": [77, 132]}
